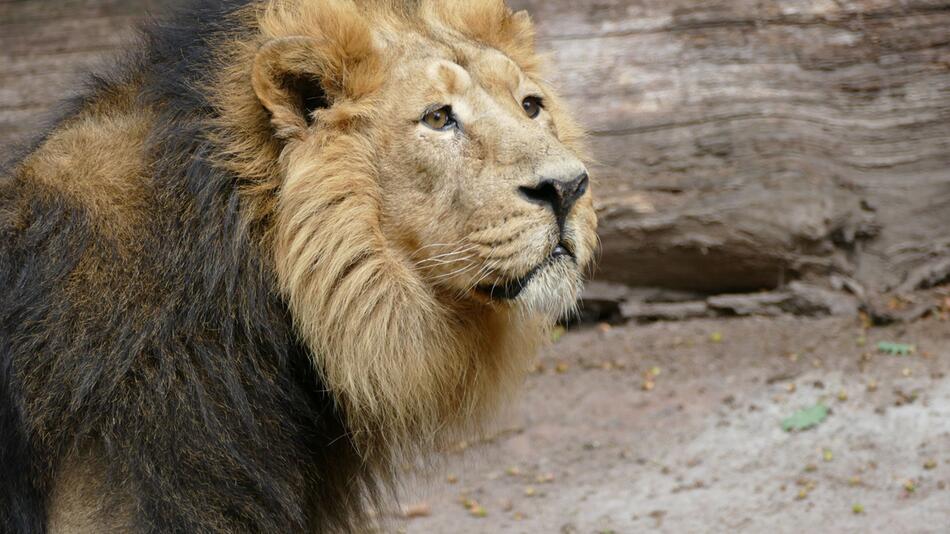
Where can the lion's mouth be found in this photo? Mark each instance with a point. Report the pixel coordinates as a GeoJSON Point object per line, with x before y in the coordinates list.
{"type": "Point", "coordinates": [512, 288]}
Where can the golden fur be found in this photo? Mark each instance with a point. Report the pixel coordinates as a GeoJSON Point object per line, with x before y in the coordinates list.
{"type": "Point", "coordinates": [375, 250]}
{"type": "Point", "coordinates": [380, 234]}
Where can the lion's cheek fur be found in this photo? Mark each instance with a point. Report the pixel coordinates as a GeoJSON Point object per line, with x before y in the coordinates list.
{"type": "Point", "coordinates": [407, 366]}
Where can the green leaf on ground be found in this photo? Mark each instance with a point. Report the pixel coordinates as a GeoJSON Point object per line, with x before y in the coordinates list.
{"type": "Point", "coordinates": [896, 349]}
{"type": "Point", "coordinates": [557, 333]}
{"type": "Point", "coordinates": [805, 418]}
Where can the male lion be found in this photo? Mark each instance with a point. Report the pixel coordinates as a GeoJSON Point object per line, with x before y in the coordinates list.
{"type": "Point", "coordinates": [285, 245]}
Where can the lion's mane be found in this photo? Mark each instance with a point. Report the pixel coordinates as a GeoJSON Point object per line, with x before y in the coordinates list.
{"type": "Point", "coordinates": [216, 327]}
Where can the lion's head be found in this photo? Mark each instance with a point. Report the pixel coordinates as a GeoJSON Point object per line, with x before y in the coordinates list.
{"type": "Point", "coordinates": [481, 176]}
{"type": "Point", "coordinates": [434, 211]}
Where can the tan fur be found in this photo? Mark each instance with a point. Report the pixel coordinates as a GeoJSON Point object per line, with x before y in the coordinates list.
{"type": "Point", "coordinates": [82, 503]}
{"type": "Point", "coordinates": [96, 160]}
{"type": "Point", "coordinates": [379, 271]}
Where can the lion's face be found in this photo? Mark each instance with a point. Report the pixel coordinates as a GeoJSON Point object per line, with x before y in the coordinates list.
{"type": "Point", "coordinates": [480, 181]}
{"type": "Point", "coordinates": [488, 199]}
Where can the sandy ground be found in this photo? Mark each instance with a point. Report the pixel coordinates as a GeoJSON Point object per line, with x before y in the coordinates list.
{"type": "Point", "coordinates": [676, 427]}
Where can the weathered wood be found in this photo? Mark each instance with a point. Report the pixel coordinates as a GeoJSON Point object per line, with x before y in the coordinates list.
{"type": "Point", "coordinates": [747, 143]}
{"type": "Point", "coordinates": [742, 144]}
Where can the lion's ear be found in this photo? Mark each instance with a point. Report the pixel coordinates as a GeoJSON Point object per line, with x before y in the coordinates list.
{"type": "Point", "coordinates": [286, 80]}
{"type": "Point", "coordinates": [294, 77]}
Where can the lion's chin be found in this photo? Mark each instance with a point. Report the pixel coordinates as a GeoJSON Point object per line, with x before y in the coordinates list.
{"type": "Point", "coordinates": [551, 289]}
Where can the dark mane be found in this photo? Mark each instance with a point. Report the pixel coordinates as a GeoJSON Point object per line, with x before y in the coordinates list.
{"type": "Point", "coordinates": [174, 51]}
{"type": "Point", "coordinates": [176, 346]}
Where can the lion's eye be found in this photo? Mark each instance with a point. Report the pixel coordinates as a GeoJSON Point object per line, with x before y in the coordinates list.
{"type": "Point", "coordinates": [439, 119]}
{"type": "Point", "coordinates": [532, 105]}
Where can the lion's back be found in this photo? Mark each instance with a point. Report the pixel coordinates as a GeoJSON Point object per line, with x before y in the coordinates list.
{"type": "Point", "coordinates": [135, 306]}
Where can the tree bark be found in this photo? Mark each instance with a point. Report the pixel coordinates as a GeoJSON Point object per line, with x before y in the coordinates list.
{"type": "Point", "coordinates": [747, 143]}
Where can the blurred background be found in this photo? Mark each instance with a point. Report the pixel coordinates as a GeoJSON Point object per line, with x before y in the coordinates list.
{"type": "Point", "coordinates": [773, 181]}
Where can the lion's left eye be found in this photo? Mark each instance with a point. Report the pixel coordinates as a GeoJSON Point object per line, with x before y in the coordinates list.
{"type": "Point", "coordinates": [439, 119]}
{"type": "Point", "coordinates": [532, 105]}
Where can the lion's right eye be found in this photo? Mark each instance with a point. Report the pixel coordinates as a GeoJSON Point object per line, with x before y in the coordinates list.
{"type": "Point", "coordinates": [439, 119]}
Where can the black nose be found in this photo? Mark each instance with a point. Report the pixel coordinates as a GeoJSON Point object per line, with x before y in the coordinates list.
{"type": "Point", "coordinates": [561, 195]}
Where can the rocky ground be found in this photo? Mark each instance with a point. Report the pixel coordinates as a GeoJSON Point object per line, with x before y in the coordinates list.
{"type": "Point", "coordinates": [677, 427]}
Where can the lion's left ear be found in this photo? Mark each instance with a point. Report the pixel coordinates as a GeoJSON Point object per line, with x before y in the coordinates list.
{"type": "Point", "coordinates": [294, 77]}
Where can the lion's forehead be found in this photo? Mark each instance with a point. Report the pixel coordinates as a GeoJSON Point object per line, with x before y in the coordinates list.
{"type": "Point", "coordinates": [414, 53]}
{"type": "Point", "coordinates": [456, 76]}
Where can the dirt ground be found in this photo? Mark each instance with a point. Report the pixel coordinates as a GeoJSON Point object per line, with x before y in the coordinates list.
{"type": "Point", "coordinates": [677, 427]}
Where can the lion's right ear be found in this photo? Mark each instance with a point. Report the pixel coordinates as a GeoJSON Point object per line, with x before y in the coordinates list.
{"type": "Point", "coordinates": [294, 77]}
{"type": "Point", "coordinates": [287, 80]}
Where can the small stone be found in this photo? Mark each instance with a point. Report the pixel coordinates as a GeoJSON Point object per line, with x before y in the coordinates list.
{"type": "Point", "coordinates": [417, 510]}
{"type": "Point", "coordinates": [930, 464]}
{"type": "Point", "coordinates": [857, 508]}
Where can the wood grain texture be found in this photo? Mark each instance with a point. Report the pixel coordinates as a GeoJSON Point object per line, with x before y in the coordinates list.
{"type": "Point", "coordinates": [741, 144]}
{"type": "Point", "coordinates": [746, 143]}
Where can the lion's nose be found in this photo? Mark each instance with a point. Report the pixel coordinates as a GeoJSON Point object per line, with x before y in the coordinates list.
{"type": "Point", "coordinates": [561, 195]}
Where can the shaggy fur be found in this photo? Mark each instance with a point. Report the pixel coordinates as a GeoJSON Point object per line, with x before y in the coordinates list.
{"type": "Point", "coordinates": [240, 280]}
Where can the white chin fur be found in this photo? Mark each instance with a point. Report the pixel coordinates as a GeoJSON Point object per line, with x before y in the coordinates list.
{"type": "Point", "coordinates": [553, 291]}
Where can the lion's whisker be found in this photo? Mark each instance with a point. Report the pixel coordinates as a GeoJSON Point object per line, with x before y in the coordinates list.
{"type": "Point", "coordinates": [433, 245]}
{"type": "Point", "coordinates": [443, 256]}
{"type": "Point", "coordinates": [487, 267]}
{"type": "Point", "coordinates": [481, 269]}
{"type": "Point", "coordinates": [433, 263]}
{"type": "Point", "coordinates": [456, 251]}
{"type": "Point", "coordinates": [454, 273]}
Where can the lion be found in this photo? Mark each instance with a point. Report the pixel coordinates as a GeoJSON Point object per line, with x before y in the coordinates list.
{"type": "Point", "coordinates": [280, 248]}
